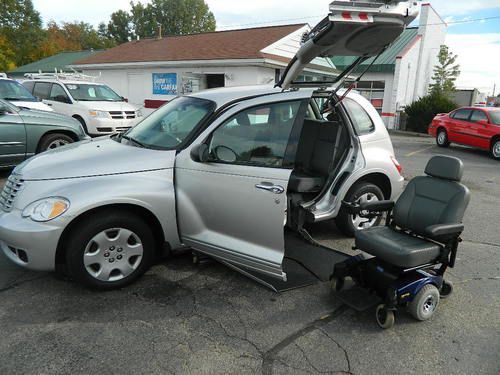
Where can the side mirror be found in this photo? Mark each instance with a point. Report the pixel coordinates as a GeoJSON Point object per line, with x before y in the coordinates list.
{"type": "Point", "coordinates": [199, 153]}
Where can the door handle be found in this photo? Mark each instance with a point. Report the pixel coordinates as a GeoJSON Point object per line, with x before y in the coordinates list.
{"type": "Point", "coordinates": [276, 189]}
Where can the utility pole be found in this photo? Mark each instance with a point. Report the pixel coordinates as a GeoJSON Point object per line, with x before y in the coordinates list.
{"type": "Point", "coordinates": [494, 88]}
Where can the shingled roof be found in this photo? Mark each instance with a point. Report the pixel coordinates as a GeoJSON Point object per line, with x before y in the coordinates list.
{"type": "Point", "coordinates": [219, 45]}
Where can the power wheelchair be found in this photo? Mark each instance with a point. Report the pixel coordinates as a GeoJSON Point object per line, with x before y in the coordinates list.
{"type": "Point", "coordinates": [404, 262]}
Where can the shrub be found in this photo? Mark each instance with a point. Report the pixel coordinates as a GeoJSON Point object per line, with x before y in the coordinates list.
{"type": "Point", "coordinates": [421, 112]}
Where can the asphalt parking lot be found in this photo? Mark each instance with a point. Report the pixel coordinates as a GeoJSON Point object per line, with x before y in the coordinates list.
{"type": "Point", "coordinates": [182, 318]}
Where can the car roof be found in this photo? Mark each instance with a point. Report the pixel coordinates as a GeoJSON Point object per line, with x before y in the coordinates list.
{"type": "Point", "coordinates": [222, 96]}
{"type": "Point", "coordinates": [485, 108]}
{"type": "Point", "coordinates": [70, 82]}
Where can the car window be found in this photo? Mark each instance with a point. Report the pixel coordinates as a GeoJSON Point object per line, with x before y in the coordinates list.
{"type": "Point", "coordinates": [14, 91]}
{"type": "Point", "coordinates": [257, 136]}
{"type": "Point", "coordinates": [495, 117]}
{"type": "Point", "coordinates": [29, 85]}
{"type": "Point", "coordinates": [93, 93]}
{"type": "Point", "coordinates": [42, 90]}
{"type": "Point", "coordinates": [478, 116]}
{"type": "Point", "coordinates": [462, 114]}
{"type": "Point", "coordinates": [58, 94]}
{"type": "Point", "coordinates": [361, 120]}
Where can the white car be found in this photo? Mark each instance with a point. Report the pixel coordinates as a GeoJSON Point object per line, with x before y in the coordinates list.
{"type": "Point", "coordinates": [99, 109]}
{"type": "Point", "coordinates": [12, 91]}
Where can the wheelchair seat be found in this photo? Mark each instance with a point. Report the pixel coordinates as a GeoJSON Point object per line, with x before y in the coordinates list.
{"type": "Point", "coordinates": [435, 199]}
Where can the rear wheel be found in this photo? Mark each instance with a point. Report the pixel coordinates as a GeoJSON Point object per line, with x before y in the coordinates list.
{"type": "Point", "coordinates": [54, 140]}
{"type": "Point", "coordinates": [495, 149]}
{"type": "Point", "coordinates": [109, 250]}
{"type": "Point", "coordinates": [360, 193]}
{"type": "Point", "coordinates": [442, 138]}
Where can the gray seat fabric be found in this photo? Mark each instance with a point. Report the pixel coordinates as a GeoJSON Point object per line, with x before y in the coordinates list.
{"type": "Point", "coordinates": [315, 155]}
{"type": "Point", "coordinates": [397, 248]}
{"type": "Point", "coordinates": [438, 198]}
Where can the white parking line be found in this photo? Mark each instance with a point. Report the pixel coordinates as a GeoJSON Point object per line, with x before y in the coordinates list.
{"type": "Point", "coordinates": [418, 151]}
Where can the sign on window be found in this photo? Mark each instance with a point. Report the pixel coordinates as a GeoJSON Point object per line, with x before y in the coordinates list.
{"type": "Point", "coordinates": [164, 84]}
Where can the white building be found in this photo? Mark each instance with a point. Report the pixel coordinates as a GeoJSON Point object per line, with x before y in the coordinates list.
{"type": "Point", "coordinates": [152, 71]}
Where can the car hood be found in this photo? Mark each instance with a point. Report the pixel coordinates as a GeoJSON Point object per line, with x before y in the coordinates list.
{"type": "Point", "coordinates": [108, 106]}
{"type": "Point", "coordinates": [33, 105]}
{"type": "Point", "coordinates": [43, 118]}
{"type": "Point", "coordinates": [98, 157]}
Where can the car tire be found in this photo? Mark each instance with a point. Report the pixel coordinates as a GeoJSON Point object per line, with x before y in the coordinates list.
{"type": "Point", "coordinates": [54, 140]}
{"type": "Point", "coordinates": [442, 138]}
{"type": "Point", "coordinates": [495, 149]}
{"type": "Point", "coordinates": [346, 222]}
{"type": "Point", "coordinates": [109, 250]}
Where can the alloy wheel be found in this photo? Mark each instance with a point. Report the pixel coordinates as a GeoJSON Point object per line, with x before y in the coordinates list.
{"type": "Point", "coordinates": [496, 150]}
{"type": "Point", "coordinates": [57, 143]}
{"type": "Point", "coordinates": [113, 254]}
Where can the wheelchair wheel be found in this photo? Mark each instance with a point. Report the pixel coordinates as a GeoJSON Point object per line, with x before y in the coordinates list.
{"type": "Point", "coordinates": [425, 303]}
{"type": "Point", "coordinates": [446, 289]}
{"type": "Point", "coordinates": [337, 283]}
{"type": "Point", "coordinates": [385, 318]}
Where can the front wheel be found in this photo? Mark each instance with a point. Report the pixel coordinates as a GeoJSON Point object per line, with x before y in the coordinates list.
{"type": "Point", "coordinates": [362, 192]}
{"type": "Point", "coordinates": [425, 303]}
{"type": "Point", "coordinates": [385, 317]}
{"type": "Point", "coordinates": [54, 140]}
{"type": "Point", "coordinates": [495, 149]}
{"type": "Point", "coordinates": [109, 250]}
{"type": "Point", "coordinates": [442, 138]}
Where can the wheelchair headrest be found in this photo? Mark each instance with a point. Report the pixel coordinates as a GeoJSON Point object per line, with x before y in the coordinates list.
{"type": "Point", "coordinates": [445, 167]}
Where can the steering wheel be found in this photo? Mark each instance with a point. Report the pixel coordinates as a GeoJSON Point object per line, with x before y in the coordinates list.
{"type": "Point", "coordinates": [226, 154]}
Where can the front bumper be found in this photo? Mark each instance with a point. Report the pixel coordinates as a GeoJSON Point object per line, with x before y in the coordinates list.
{"type": "Point", "coordinates": [103, 126]}
{"type": "Point", "coordinates": [27, 243]}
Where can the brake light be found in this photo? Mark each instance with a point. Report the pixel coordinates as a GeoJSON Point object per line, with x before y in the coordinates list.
{"type": "Point", "coordinates": [397, 165]}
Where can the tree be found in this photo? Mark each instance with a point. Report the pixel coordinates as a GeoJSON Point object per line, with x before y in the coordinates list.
{"type": "Point", "coordinates": [120, 27]}
{"type": "Point", "coordinates": [421, 112]}
{"type": "Point", "coordinates": [445, 73]}
{"type": "Point", "coordinates": [176, 17]}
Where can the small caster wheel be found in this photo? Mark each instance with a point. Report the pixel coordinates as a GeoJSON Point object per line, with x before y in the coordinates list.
{"type": "Point", "coordinates": [337, 283]}
{"type": "Point", "coordinates": [385, 318]}
{"type": "Point", "coordinates": [446, 289]}
{"type": "Point", "coordinates": [425, 303]}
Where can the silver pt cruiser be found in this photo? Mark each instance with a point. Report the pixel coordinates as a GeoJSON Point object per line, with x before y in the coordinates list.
{"type": "Point", "coordinates": [232, 173]}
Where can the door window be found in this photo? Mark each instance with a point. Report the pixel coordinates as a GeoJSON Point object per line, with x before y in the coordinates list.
{"type": "Point", "coordinates": [257, 136]}
{"type": "Point", "coordinates": [58, 94]}
{"type": "Point", "coordinates": [42, 90]}
{"type": "Point", "coordinates": [478, 116]}
{"type": "Point", "coordinates": [462, 114]}
{"type": "Point", "coordinates": [361, 120]}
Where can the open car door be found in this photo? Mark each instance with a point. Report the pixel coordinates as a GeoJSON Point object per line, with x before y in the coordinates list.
{"type": "Point", "coordinates": [353, 28]}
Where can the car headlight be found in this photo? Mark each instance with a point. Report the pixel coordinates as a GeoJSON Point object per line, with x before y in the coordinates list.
{"type": "Point", "coordinates": [46, 209]}
{"type": "Point", "coordinates": [99, 114]}
{"type": "Point", "coordinates": [138, 113]}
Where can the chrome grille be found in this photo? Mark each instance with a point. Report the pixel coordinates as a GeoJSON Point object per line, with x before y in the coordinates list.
{"type": "Point", "coordinates": [119, 115]}
{"type": "Point", "coordinates": [13, 185]}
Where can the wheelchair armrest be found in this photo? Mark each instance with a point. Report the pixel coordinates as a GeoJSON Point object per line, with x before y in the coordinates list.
{"type": "Point", "coordinates": [444, 230]}
{"type": "Point", "coordinates": [378, 206]}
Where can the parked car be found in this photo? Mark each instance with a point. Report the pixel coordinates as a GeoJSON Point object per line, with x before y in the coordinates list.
{"type": "Point", "coordinates": [96, 106]}
{"type": "Point", "coordinates": [472, 126]}
{"type": "Point", "coordinates": [17, 94]}
{"type": "Point", "coordinates": [234, 173]}
{"type": "Point", "coordinates": [25, 132]}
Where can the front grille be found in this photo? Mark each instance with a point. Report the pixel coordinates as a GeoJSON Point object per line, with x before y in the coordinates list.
{"type": "Point", "coordinates": [13, 185]}
{"type": "Point", "coordinates": [119, 115]}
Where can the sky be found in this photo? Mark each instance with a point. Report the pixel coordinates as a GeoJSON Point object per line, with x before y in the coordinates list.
{"type": "Point", "coordinates": [477, 43]}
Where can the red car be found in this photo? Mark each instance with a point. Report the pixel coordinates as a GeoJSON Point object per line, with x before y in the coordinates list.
{"type": "Point", "coordinates": [472, 126]}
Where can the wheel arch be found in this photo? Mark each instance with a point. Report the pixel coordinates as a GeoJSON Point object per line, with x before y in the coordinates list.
{"type": "Point", "coordinates": [144, 213]}
{"type": "Point", "coordinates": [67, 132]}
{"type": "Point", "coordinates": [376, 178]}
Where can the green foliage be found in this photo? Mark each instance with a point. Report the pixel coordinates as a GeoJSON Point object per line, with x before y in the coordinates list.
{"type": "Point", "coordinates": [120, 27]}
{"type": "Point", "coordinates": [421, 112]}
{"type": "Point", "coordinates": [445, 73]}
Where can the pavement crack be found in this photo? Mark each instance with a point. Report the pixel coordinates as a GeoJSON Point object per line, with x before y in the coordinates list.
{"type": "Point", "coordinates": [271, 355]}
{"type": "Point", "coordinates": [482, 243]}
{"type": "Point", "coordinates": [346, 354]}
{"type": "Point", "coordinates": [19, 282]}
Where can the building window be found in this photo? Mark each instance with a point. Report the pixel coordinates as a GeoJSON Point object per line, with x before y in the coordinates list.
{"type": "Point", "coordinates": [371, 90]}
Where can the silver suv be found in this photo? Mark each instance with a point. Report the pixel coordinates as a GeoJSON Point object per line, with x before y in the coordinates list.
{"type": "Point", "coordinates": [232, 173]}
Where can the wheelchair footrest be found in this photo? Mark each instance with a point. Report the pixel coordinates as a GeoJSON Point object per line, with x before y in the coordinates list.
{"type": "Point", "coordinates": [358, 298]}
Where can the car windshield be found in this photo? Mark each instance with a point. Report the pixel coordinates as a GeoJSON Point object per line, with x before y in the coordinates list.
{"type": "Point", "coordinates": [13, 91]}
{"type": "Point", "coordinates": [171, 125]}
{"type": "Point", "coordinates": [495, 116]}
{"type": "Point", "coordinates": [93, 93]}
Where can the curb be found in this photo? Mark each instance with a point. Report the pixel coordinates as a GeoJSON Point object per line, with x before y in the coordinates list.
{"type": "Point", "coordinates": [408, 134]}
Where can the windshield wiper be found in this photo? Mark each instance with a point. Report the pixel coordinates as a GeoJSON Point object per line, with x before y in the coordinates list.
{"type": "Point", "coordinates": [132, 140]}
{"type": "Point", "coordinates": [18, 99]}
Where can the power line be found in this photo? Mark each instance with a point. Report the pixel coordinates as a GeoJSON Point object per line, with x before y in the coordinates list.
{"type": "Point", "coordinates": [473, 20]}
